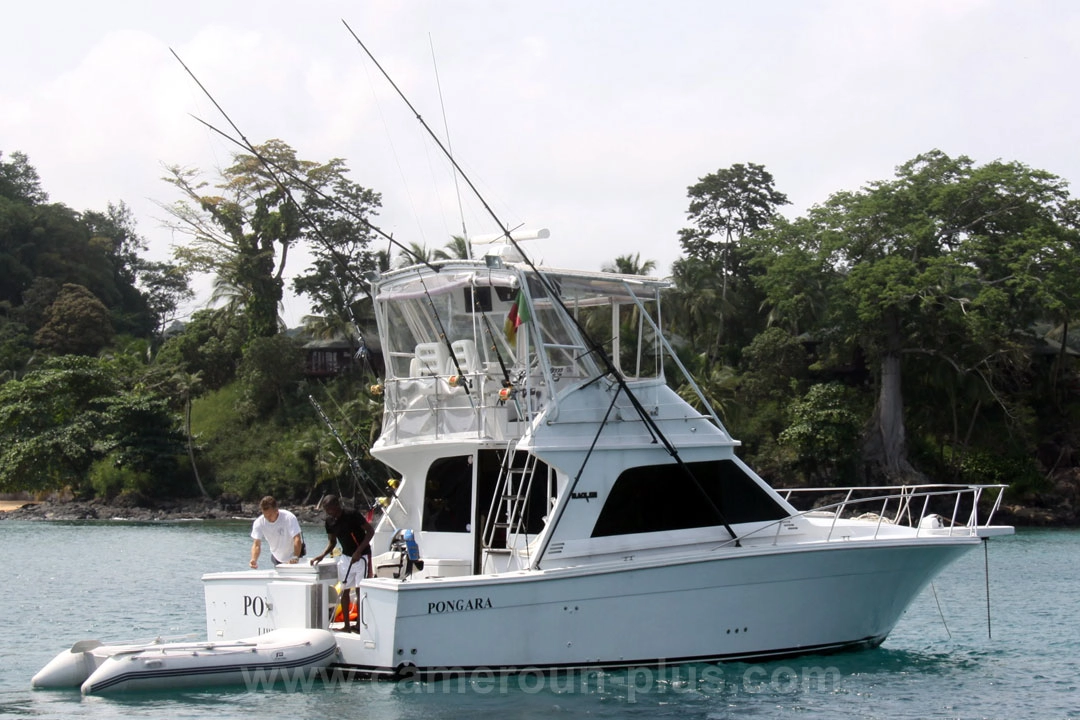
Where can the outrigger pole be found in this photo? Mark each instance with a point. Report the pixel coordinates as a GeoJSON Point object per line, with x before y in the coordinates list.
{"type": "Point", "coordinates": [654, 429]}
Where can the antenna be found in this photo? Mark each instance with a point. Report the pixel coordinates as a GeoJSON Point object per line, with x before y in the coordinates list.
{"type": "Point", "coordinates": [449, 147]}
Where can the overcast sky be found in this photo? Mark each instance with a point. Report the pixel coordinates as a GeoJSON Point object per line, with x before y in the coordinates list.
{"type": "Point", "coordinates": [590, 118]}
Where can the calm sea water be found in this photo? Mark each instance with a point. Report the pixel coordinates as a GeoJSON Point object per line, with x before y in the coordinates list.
{"type": "Point", "coordinates": [65, 582]}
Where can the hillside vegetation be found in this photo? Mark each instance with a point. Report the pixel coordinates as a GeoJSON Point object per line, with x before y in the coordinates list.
{"type": "Point", "coordinates": [920, 328]}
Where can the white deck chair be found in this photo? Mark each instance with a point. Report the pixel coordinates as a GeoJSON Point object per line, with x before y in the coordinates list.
{"type": "Point", "coordinates": [467, 359]}
{"type": "Point", "coordinates": [431, 359]}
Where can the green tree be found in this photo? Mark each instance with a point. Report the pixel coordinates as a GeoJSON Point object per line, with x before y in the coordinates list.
{"type": "Point", "coordinates": [166, 286]}
{"type": "Point", "coordinates": [210, 346]}
{"type": "Point", "coordinates": [59, 419]}
{"type": "Point", "coordinates": [43, 246]}
{"type": "Point", "coordinates": [824, 433]}
{"type": "Point", "coordinates": [456, 249]}
{"type": "Point", "coordinates": [76, 323]}
{"type": "Point", "coordinates": [49, 241]}
{"type": "Point", "coordinates": [115, 234]}
{"type": "Point", "coordinates": [19, 181]}
{"type": "Point", "coordinates": [726, 208]}
{"type": "Point", "coordinates": [693, 303]}
{"type": "Point", "coordinates": [336, 281]}
{"type": "Point", "coordinates": [416, 253]}
{"type": "Point", "coordinates": [949, 261]}
{"type": "Point", "coordinates": [48, 424]}
{"type": "Point", "coordinates": [773, 367]}
{"type": "Point", "coordinates": [140, 432]}
{"type": "Point", "coordinates": [16, 344]}
{"type": "Point", "coordinates": [267, 370]}
{"type": "Point", "coordinates": [244, 232]}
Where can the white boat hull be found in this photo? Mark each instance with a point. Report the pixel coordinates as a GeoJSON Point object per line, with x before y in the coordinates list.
{"type": "Point", "coordinates": [758, 605]}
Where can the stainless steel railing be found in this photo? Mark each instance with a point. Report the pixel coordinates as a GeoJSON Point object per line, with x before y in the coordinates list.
{"type": "Point", "coordinates": [893, 505]}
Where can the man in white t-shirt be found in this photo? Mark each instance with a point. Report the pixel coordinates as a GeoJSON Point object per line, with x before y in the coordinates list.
{"type": "Point", "coordinates": [281, 531]}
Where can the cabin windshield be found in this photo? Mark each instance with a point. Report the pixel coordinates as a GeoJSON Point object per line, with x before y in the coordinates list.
{"type": "Point", "coordinates": [606, 307]}
{"type": "Point", "coordinates": [424, 315]}
{"type": "Point", "coordinates": [458, 337]}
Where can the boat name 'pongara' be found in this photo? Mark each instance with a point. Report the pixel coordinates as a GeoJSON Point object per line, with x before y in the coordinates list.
{"type": "Point", "coordinates": [458, 605]}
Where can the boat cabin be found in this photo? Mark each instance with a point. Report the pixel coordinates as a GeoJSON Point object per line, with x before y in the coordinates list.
{"type": "Point", "coordinates": [508, 415]}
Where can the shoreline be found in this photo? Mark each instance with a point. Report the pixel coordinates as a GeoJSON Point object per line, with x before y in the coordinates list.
{"type": "Point", "coordinates": [198, 509]}
{"type": "Point", "coordinates": [165, 510]}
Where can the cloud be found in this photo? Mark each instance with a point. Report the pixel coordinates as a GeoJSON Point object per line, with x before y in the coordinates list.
{"type": "Point", "coordinates": [587, 118]}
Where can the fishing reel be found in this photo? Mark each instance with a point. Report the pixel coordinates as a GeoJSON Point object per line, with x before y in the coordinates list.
{"type": "Point", "coordinates": [404, 543]}
{"type": "Point", "coordinates": [506, 393]}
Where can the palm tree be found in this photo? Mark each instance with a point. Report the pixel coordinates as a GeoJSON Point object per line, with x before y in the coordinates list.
{"type": "Point", "coordinates": [697, 306]}
{"type": "Point", "coordinates": [717, 383]}
{"type": "Point", "coordinates": [327, 327]}
{"type": "Point", "coordinates": [629, 265]}
{"type": "Point", "coordinates": [457, 248]}
{"type": "Point", "coordinates": [234, 300]}
{"type": "Point", "coordinates": [416, 253]}
{"type": "Point", "coordinates": [188, 384]}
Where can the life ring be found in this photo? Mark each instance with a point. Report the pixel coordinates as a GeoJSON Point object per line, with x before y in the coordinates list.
{"type": "Point", "coordinates": [339, 616]}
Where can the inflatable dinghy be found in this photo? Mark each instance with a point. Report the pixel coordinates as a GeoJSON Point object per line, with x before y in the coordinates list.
{"type": "Point", "coordinates": [277, 655]}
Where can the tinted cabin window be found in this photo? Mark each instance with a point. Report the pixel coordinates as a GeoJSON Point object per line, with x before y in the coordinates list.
{"type": "Point", "coordinates": [661, 497]}
{"type": "Point", "coordinates": [448, 495]}
{"type": "Point", "coordinates": [478, 299]}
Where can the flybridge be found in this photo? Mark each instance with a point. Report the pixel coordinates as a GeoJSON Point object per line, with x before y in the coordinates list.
{"type": "Point", "coordinates": [479, 348]}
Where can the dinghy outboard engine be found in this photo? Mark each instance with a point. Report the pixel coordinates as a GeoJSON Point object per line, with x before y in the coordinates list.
{"type": "Point", "coordinates": [404, 543]}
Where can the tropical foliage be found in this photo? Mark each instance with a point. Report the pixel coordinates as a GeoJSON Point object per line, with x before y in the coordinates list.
{"type": "Point", "coordinates": [919, 327]}
{"type": "Point", "coordinates": [928, 296]}
{"type": "Point", "coordinates": [265, 204]}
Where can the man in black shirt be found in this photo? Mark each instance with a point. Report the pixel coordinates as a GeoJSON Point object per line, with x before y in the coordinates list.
{"type": "Point", "coordinates": [354, 532]}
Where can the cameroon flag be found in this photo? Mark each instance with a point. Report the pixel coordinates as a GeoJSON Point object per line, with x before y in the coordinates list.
{"type": "Point", "coordinates": [519, 314]}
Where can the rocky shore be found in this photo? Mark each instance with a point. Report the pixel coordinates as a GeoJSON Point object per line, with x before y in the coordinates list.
{"type": "Point", "coordinates": [1041, 514]}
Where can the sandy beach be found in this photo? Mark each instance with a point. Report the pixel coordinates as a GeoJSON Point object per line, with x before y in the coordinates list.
{"type": "Point", "coordinates": [6, 505]}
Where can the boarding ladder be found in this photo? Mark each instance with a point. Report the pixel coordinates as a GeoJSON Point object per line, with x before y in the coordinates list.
{"type": "Point", "coordinates": [507, 512]}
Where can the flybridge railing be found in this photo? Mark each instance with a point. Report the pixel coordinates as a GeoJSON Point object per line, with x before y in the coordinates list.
{"type": "Point", "coordinates": [906, 505]}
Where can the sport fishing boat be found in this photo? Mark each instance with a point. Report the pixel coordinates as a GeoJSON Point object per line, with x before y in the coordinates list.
{"type": "Point", "coordinates": [573, 510]}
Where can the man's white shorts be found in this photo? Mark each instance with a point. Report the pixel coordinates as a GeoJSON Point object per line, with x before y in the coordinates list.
{"type": "Point", "coordinates": [356, 573]}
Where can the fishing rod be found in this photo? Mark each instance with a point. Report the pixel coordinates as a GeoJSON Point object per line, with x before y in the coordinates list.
{"type": "Point", "coordinates": [610, 369]}
{"type": "Point", "coordinates": [271, 167]}
{"type": "Point", "coordinates": [275, 167]}
{"type": "Point", "coordinates": [444, 337]}
{"type": "Point", "coordinates": [354, 464]}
